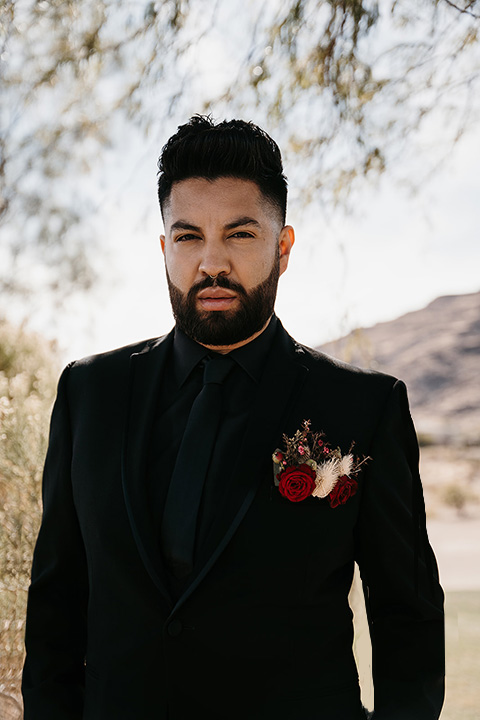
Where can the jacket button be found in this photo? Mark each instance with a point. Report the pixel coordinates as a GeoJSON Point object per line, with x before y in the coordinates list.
{"type": "Point", "coordinates": [174, 628]}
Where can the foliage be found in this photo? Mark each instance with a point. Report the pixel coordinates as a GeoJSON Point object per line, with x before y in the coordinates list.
{"type": "Point", "coordinates": [27, 384]}
{"type": "Point", "coordinates": [341, 82]}
{"type": "Point", "coordinates": [65, 75]}
{"type": "Point", "coordinates": [362, 77]}
{"type": "Point", "coordinates": [455, 496]}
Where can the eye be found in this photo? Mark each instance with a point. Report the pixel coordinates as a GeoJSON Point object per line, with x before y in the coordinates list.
{"type": "Point", "coordinates": [186, 238]}
{"type": "Point", "coordinates": [242, 234]}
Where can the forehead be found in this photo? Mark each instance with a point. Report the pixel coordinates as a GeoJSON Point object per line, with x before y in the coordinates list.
{"type": "Point", "coordinates": [221, 199]}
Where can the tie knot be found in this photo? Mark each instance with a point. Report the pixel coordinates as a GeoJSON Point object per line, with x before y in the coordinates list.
{"type": "Point", "coordinates": [216, 369]}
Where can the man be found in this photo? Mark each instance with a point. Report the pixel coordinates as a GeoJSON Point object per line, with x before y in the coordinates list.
{"type": "Point", "coordinates": [176, 575]}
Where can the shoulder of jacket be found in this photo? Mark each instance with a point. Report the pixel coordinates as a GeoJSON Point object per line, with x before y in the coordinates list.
{"type": "Point", "coordinates": [112, 360]}
{"type": "Point", "coordinates": [341, 371]}
{"type": "Point", "coordinates": [118, 354]}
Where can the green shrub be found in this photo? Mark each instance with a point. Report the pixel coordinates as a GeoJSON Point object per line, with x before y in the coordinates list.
{"type": "Point", "coordinates": [455, 496]}
{"type": "Point", "coordinates": [28, 372]}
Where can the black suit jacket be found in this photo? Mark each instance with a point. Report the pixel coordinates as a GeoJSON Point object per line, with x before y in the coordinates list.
{"type": "Point", "coordinates": [264, 629]}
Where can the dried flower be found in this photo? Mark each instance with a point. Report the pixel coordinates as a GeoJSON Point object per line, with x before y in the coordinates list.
{"type": "Point", "coordinates": [308, 466]}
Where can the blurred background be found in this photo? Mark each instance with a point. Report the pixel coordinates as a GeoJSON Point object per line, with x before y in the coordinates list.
{"type": "Point", "coordinates": [376, 108]}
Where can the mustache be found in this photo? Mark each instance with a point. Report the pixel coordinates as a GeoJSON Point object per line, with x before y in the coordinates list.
{"type": "Point", "coordinates": [219, 281]}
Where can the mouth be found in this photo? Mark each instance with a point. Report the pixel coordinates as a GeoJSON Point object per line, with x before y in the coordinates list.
{"type": "Point", "coordinates": [216, 298]}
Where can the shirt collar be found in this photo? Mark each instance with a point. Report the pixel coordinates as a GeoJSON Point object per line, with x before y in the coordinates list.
{"type": "Point", "coordinates": [187, 353]}
{"type": "Point", "coordinates": [251, 357]}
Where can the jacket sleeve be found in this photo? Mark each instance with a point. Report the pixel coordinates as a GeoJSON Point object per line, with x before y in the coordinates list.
{"type": "Point", "coordinates": [403, 597]}
{"type": "Point", "coordinates": [53, 676]}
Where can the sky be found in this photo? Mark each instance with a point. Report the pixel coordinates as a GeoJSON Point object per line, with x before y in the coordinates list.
{"type": "Point", "coordinates": [395, 252]}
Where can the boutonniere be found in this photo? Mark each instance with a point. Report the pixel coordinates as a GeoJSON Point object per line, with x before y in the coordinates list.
{"type": "Point", "coordinates": [308, 466]}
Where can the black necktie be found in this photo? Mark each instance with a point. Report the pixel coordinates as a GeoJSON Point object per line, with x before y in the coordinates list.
{"type": "Point", "coordinates": [186, 485]}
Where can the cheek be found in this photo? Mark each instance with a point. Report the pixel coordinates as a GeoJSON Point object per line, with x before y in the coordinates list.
{"type": "Point", "coordinates": [180, 271]}
{"type": "Point", "coordinates": [255, 268]}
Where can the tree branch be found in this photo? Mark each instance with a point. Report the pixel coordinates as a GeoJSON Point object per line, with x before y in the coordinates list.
{"type": "Point", "coordinates": [464, 11]}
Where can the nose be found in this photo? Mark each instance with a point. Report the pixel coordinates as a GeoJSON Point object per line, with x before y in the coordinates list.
{"type": "Point", "coordinates": [215, 260]}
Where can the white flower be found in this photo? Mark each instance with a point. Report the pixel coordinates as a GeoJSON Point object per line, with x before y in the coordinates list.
{"type": "Point", "coordinates": [326, 478]}
{"type": "Point", "coordinates": [345, 465]}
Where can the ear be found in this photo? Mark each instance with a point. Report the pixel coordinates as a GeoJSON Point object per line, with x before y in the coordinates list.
{"type": "Point", "coordinates": [285, 244]}
{"type": "Point", "coordinates": [162, 243]}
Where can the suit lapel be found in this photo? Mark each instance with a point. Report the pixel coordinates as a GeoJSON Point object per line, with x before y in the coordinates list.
{"type": "Point", "coordinates": [146, 369]}
{"type": "Point", "coordinates": [282, 380]}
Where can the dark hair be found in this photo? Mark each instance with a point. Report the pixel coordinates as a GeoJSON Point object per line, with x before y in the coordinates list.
{"type": "Point", "coordinates": [232, 148]}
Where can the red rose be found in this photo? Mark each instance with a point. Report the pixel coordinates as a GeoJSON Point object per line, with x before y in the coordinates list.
{"type": "Point", "coordinates": [345, 488]}
{"type": "Point", "coordinates": [297, 482]}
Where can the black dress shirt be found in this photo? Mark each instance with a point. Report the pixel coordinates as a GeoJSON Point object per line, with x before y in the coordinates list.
{"type": "Point", "coordinates": [181, 383]}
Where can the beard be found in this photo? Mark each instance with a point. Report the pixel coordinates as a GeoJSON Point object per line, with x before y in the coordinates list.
{"type": "Point", "coordinates": [225, 327]}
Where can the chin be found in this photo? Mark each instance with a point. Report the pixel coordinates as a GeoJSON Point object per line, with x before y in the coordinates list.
{"type": "Point", "coordinates": [216, 329]}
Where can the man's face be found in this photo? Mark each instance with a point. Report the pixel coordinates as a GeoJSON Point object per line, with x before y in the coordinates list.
{"type": "Point", "coordinates": [225, 249]}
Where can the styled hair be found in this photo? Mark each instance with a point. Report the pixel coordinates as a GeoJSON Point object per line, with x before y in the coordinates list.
{"type": "Point", "coordinates": [231, 148]}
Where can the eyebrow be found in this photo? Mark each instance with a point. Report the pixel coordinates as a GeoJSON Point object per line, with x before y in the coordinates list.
{"type": "Point", "coordinates": [184, 225]}
{"type": "Point", "coordinates": [242, 221]}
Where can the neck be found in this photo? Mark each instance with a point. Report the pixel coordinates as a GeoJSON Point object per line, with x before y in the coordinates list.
{"type": "Point", "coordinates": [224, 349]}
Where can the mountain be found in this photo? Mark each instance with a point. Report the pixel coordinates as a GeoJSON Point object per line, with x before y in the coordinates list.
{"type": "Point", "coordinates": [436, 351]}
